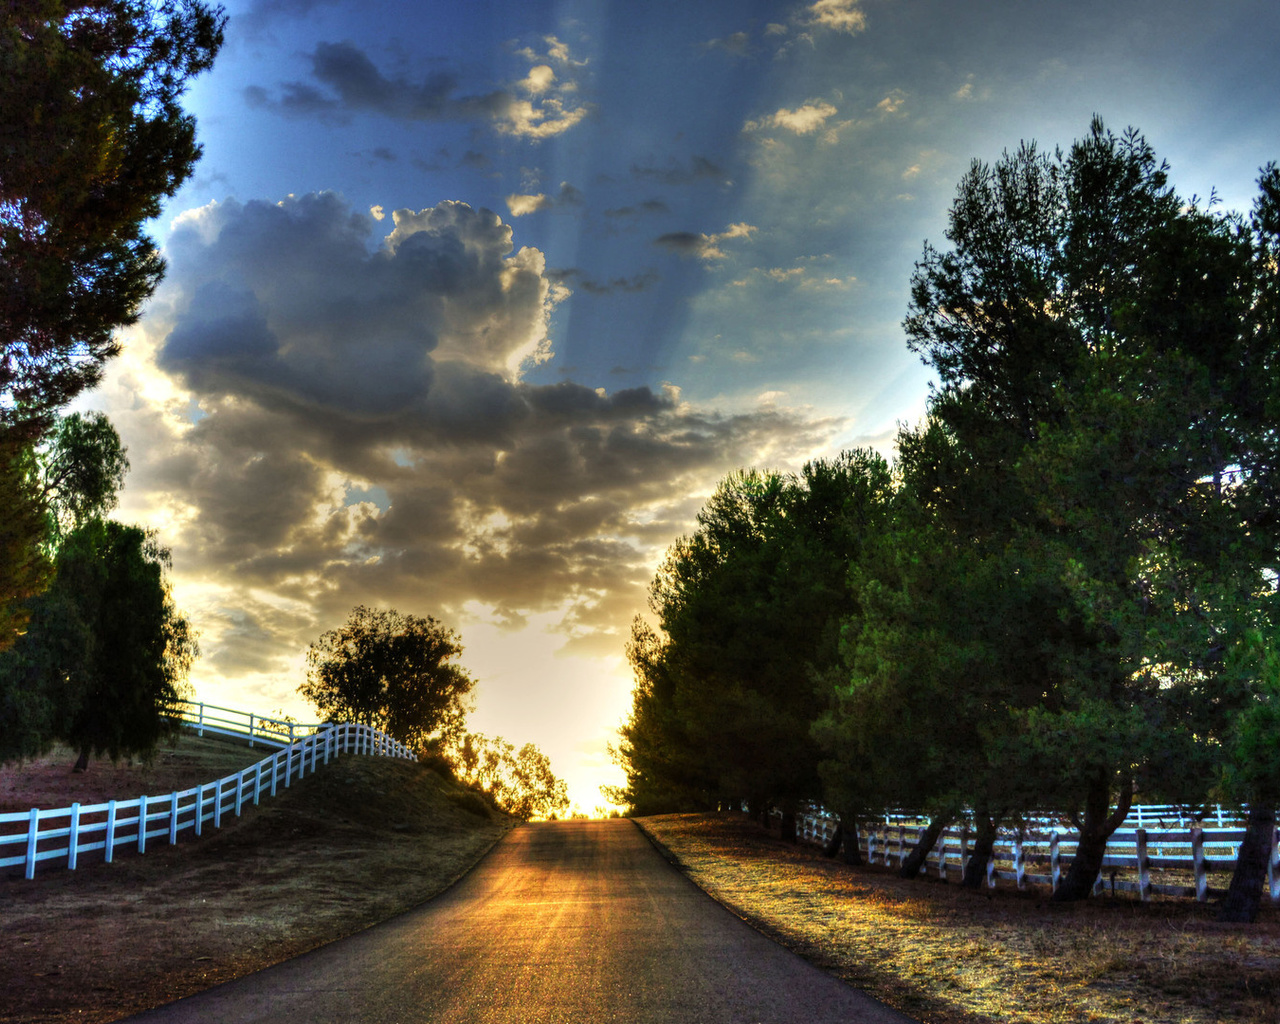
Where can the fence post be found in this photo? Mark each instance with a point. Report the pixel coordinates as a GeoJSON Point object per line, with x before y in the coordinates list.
{"type": "Point", "coordinates": [217, 804]}
{"type": "Point", "coordinates": [142, 821]}
{"type": "Point", "coordinates": [1273, 866]}
{"type": "Point", "coordinates": [239, 793]}
{"type": "Point", "coordinates": [200, 721]}
{"type": "Point", "coordinates": [250, 730]}
{"type": "Point", "coordinates": [871, 846]}
{"type": "Point", "coordinates": [1144, 867]}
{"type": "Point", "coordinates": [964, 849]}
{"type": "Point", "coordinates": [942, 856]}
{"type": "Point", "coordinates": [290, 738]}
{"type": "Point", "coordinates": [1055, 861]}
{"type": "Point", "coordinates": [73, 837]}
{"type": "Point", "coordinates": [275, 770]}
{"type": "Point", "coordinates": [111, 830]}
{"type": "Point", "coordinates": [200, 809]}
{"type": "Point", "coordinates": [33, 833]}
{"type": "Point", "coordinates": [257, 782]}
{"type": "Point", "coordinates": [1197, 856]}
{"type": "Point", "coordinates": [1019, 863]}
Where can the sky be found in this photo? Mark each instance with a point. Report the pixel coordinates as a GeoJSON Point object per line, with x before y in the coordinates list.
{"type": "Point", "coordinates": [469, 306]}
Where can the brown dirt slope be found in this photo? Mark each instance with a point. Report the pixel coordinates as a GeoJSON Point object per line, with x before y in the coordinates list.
{"type": "Point", "coordinates": [352, 845]}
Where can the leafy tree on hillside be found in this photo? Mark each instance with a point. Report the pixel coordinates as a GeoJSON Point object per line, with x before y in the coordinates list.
{"type": "Point", "coordinates": [1105, 376]}
{"type": "Point", "coordinates": [520, 782]}
{"type": "Point", "coordinates": [105, 653]}
{"type": "Point", "coordinates": [392, 672]}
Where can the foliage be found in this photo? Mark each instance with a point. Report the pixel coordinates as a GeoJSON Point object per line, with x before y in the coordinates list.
{"type": "Point", "coordinates": [82, 468]}
{"type": "Point", "coordinates": [748, 607]}
{"type": "Point", "coordinates": [392, 672]}
{"type": "Point", "coordinates": [25, 569]}
{"type": "Point", "coordinates": [95, 139]}
{"type": "Point", "coordinates": [1106, 378]}
{"type": "Point", "coordinates": [106, 654]}
{"type": "Point", "coordinates": [520, 783]}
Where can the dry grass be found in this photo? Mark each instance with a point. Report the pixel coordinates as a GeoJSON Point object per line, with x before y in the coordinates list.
{"type": "Point", "coordinates": [952, 956]}
{"type": "Point", "coordinates": [358, 842]}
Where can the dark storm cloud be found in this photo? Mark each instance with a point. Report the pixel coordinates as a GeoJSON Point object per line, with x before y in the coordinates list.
{"type": "Point", "coordinates": [328, 364]}
{"type": "Point", "coordinates": [345, 81]}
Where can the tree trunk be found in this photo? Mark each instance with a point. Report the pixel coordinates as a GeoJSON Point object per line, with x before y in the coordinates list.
{"type": "Point", "coordinates": [82, 762]}
{"type": "Point", "coordinates": [833, 846]}
{"type": "Point", "coordinates": [852, 851]}
{"type": "Point", "coordinates": [1091, 845]}
{"type": "Point", "coordinates": [789, 826]}
{"type": "Point", "coordinates": [1244, 897]}
{"type": "Point", "coordinates": [916, 858]}
{"type": "Point", "coordinates": [975, 872]}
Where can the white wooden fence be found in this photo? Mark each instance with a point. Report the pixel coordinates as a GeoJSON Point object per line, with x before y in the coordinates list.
{"type": "Point", "coordinates": [67, 833]}
{"type": "Point", "coordinates": [1154, 838]}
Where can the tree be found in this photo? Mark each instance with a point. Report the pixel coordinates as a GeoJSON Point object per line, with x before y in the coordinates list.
{"type": "Point", "coordinates": [82, 467]}
{"type": "Point", "coordinates": [94, 139]}
{"type": "Point", "coordinates": [521, 783]}
{"type": "Point", "coordinates": [1105, 377]}
{"type": "Point", "coordinates": [391, 672]}
{"type": "Point", "coordinates": [105, 653]}
{"type": "Point", "coordinates": [749, 609]}
{"type": "Point", "coordinates": [105, 656]}
{"type": "Point", "coordinates": [25, 569]}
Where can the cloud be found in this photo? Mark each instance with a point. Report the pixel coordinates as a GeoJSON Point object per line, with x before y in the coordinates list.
{"type": "Point", "coordinates": [804, 120]}
{"type": "Point", "coordinates": [334, 358]}
{"type": "Point", "coordinates": [520, 205]}
{"type": "Point", "coordinates": [345, 81]}
{"type": "Point", "coordinates": [706, 247]}
{"type": "Point", "coordinates": [738, 44]}
{"type": "Point", "coordinates": [635, 283]}
{"type": "Point", "coordinates": [837, 16]}
{"type": "Point", "coordinates": [698, 169]}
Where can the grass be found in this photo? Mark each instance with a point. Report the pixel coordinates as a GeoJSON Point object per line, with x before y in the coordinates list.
{"type": "Point", "coordinates": [359, 841]}
{"type": "Point", "coordinates": [951, 956]}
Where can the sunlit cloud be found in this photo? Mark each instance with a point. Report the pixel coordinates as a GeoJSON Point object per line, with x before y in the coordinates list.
{"type": "Point", "coordinates": [804, 120]}
{"type": "Point", "coordinates": [703, 246]}
{"type": "Point", "coordinates": [838, 16]}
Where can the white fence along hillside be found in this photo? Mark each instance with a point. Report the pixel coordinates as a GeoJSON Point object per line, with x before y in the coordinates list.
{"type": "Point", "coordinates": [68, 833]}
{"type": "Point", "coordinates": [1159, 850]}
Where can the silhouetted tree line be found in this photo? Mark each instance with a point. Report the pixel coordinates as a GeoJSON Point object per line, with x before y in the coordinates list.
{"type": "Point", "coordinates": [1062, 594]}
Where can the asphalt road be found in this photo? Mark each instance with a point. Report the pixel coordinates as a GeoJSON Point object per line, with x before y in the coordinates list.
{"type": "Point", "coordinates": [562, 922]}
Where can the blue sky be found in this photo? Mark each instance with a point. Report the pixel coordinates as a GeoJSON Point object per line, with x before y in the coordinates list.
{"type": "Point", "coordinates": [469, 306]}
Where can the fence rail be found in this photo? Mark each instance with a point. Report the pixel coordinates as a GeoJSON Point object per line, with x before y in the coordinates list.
{"type": "Point", "coordinates": [259, 730]}
{"type": "Point", "coordinates": [68, 833]}
{"type": "Point", "coordinates": [1164, 839]}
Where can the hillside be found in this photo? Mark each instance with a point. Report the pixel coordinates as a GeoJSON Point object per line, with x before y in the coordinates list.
{"type": "Point", "coordinates": [354, 844]}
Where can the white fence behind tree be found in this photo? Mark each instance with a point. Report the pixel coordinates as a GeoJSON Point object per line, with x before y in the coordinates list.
{"type": "Point", "coordinates": [259, 730]}
{"type": "Point", "coordinates": [1160, 838]}
{"type": "Point", "coordinates": [66, 834]}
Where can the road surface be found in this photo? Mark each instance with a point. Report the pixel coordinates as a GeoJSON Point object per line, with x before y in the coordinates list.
{"type": "Point", "coordinates": [562, 923]}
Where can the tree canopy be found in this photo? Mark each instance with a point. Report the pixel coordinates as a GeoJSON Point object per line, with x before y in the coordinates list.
{"type": "Point", "coordinates": [1063, 597]}
{"type": "Point", "coordinates": [392, 672]}
{"type": "Point", "coordinates": [94, 139]}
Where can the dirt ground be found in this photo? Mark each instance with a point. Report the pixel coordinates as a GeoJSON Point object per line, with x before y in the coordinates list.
{"type": "Point", "coordinates": [946, 955]}
{"type": "Point", "coordinates": [354, 844]}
